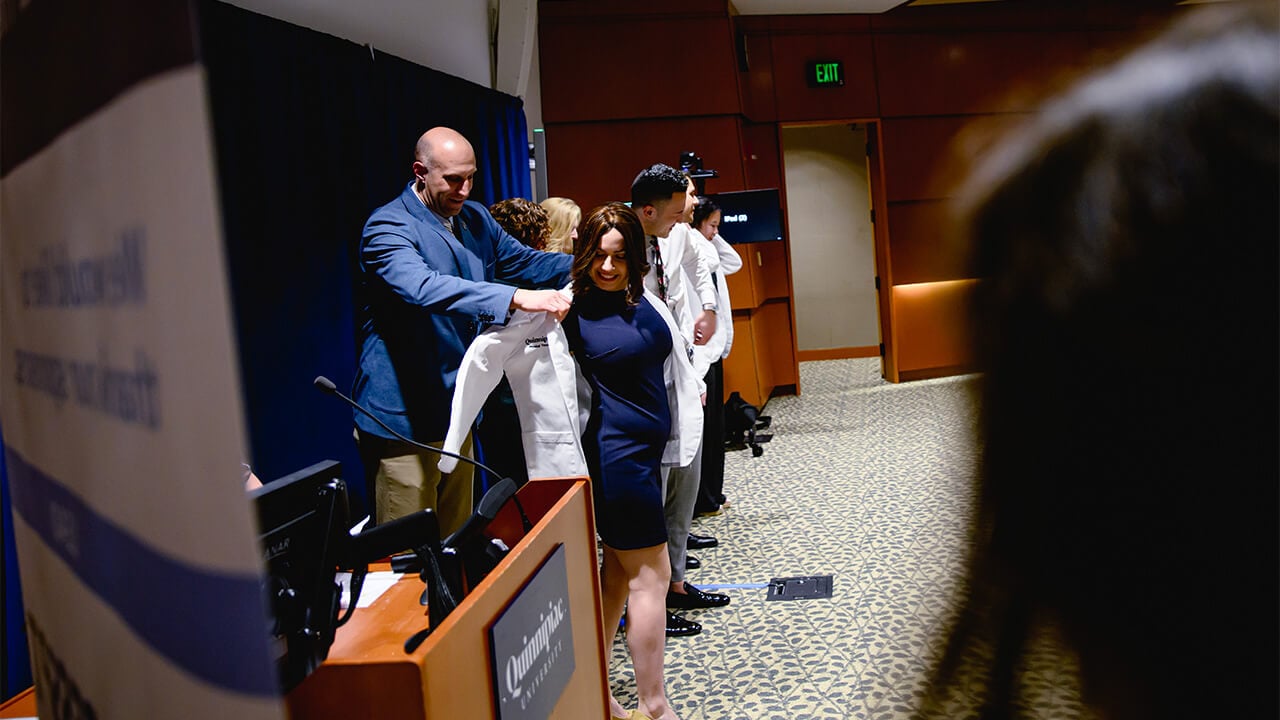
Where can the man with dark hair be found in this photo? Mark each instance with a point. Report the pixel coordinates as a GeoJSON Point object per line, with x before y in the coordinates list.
{"type": "Point", "coordinates": [663, 198]}
{"type": "Point", "coordinates": [428, 264]}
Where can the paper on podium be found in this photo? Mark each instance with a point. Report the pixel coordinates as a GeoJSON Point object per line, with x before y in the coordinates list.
{"type": "Point", "coordinates": [375, 583]}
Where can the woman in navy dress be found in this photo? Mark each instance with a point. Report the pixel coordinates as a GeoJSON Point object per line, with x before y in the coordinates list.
{"type": "Point", "coordinates": [620, 340]}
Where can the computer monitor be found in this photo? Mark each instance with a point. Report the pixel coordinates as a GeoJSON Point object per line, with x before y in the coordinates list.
{"type": "Point", "coordinates": [302, 527]}
{"type": "Point", "coordinates": [749, 216]}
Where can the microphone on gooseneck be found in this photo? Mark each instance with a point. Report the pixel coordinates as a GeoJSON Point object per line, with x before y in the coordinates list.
{"type": "Point", "coordinates": [489, 505]}
{"type": "Point", "coordinates": [327, 385]}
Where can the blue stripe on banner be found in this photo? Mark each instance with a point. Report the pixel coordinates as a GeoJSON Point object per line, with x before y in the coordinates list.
{"type": "Point", "coordinates": [210, 624]}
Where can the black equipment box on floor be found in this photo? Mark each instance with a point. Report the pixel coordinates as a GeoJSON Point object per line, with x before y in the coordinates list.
{"type": "Point", "coordinates": [807, 587]}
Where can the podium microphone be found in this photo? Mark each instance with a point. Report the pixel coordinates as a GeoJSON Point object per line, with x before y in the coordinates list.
{"type": "Point", "coordinates": [326, 385]}
{"type": "Point", "coordinates": [441, 581]}
{"type": "Point", "coordinates": [489, 505]}
{"type": "Point", "coordinates": [492, 501]}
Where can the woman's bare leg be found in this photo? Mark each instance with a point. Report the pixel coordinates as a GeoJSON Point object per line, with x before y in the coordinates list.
{"type": "Point", "coordinates": [613, 592]}
{"type": "Point", "coordinates": [647, 573]}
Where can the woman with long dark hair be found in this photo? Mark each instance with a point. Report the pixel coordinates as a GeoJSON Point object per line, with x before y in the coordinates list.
{"type": "Point", "coordinates": [634, 359]}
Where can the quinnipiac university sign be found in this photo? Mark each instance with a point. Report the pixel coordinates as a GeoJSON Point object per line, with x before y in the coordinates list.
{"type": "Point", "coordinates": [532, 644]}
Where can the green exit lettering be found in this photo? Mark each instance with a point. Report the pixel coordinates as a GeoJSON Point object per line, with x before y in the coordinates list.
{"type": "Point", "coordinates": [825, 73]}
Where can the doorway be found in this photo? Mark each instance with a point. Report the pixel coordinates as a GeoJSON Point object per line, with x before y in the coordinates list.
{"type": "Point", "coordinates": [832, 239]}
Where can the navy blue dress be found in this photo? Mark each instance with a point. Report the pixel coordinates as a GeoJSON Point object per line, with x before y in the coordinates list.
{"type": "Point", "coordinates": [621, 350]}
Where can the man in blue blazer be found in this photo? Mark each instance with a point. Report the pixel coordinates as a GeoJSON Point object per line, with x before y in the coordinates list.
{"type": "Point", "coordinates": [435, 268]}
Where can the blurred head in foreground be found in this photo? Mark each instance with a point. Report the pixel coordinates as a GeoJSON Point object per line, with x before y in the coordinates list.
{"type": "Point", "coordinates": [1126, 322]}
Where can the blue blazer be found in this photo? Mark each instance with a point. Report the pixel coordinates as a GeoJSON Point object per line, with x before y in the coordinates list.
{"type": "Point", "coordinates": [424, 297]}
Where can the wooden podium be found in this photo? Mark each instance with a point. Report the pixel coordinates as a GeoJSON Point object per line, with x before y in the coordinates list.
{"type": "Point", "coordinates": [369, 675]}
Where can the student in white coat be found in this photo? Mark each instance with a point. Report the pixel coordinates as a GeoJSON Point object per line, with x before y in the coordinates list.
{"type": "Point", "coordinates": [723, 260]}
{"type": "Point", "coordinates": [663, 198]}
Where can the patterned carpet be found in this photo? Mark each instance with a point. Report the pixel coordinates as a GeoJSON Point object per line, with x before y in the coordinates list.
{"type": "Point", "coordinates": [864, 480]}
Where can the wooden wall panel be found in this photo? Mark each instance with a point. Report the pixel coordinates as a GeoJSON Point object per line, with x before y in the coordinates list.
{"type": "Point", "coordinates": [924, 243]}
{"type": "Point", "coordinates": [775, 340]}
{"type": "Point", "coordinates": [773, 266]}
{"type": "Point", "coordinates": [927, 158]}
{"type": "Point", "coordinates": [955, 73]}
{"type": "Point", "coordinates": [1136, 19]}
{"type": "Point", "coordinates": [913, 152]}
{"type": "Point", "coordinates": [602, 67]}
{"type": "Point", "coordinates": [943, 82]}
{"type": "Point", "coordinates": [799, 102]}
{"type": "Point", "coordinates": [830, 24]}
{"type": "Point", "coordinates": [1008, 15]}
{"type": "Point", "coordinates": [761, 157]}
{"type": "Point", "coordinates": [740, 367]}
{"type": "Point", "coordinates": [595, 162]}
{"type": "Point", "coordinates": [756, 83]}
{"type": "Point", "coordinates": [743, 294]}
{"type": "Point", "coordinates": [932, 325]}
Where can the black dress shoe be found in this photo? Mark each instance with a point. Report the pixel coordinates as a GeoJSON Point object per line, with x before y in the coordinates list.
{"type": "Point", "coordinates": [694, 598]}
{"type": "Point", "coordinates": [679, 627]}
{"type": "Point", "coordinates": [698, 542]}
{"type": "Point", "coordinates": [691, 562]}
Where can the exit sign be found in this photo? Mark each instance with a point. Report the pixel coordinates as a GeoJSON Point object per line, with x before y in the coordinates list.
{"type": "Point", "coordinates": [825, 73]}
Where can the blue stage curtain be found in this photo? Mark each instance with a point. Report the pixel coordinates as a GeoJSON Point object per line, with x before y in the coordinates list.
{"type": "Point", "coordinates": [312, 133]}
{"type": "Point", "coordinates": [415, 99]}
{"type": "Point", "coordinates": [288, 128]}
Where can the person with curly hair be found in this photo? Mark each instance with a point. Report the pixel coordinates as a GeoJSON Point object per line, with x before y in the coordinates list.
{"type": "Point", "coordinates": [524, 220]}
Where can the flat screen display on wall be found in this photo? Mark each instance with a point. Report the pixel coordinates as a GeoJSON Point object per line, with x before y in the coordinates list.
{"type": "Point", "coordinates": [749, 216]}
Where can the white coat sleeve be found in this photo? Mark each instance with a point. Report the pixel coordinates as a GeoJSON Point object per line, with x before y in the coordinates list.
{"type": "Point", "coordinates": [703, 356]}
{"type": "Point", "coordinates": [730, 260]}
{"type": "Point", "coordinates": [696, 269]}
{"type": "Point", "coordinates": [683, 395]}
{"type": "Point", "coordinates": [478, 375]}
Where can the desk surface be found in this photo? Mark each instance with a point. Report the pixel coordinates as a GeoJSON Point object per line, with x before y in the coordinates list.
{"type": "Point", "coordinates": [22, 705]}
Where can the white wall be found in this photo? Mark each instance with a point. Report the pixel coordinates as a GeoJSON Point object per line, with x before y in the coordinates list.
{"type": "Point", "coordinates": [833, 263]}
{"type": "Point", "coordinates": [451, 36]}
{"type": "Point", "coordinates": [533, 93]}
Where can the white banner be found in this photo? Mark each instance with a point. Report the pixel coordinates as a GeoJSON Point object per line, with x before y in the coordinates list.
{"type": "Point", "coordinates": [123, 423]}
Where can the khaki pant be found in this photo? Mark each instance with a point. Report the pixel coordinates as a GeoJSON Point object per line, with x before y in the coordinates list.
{"type": "Point", "coordinates": [405, 480]}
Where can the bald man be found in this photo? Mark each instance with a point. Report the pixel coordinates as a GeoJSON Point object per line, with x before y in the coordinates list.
{"type": "Point", "coordinates": [430, 262]}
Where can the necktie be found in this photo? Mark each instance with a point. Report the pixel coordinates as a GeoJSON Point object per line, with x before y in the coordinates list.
{"type": "Point", "coordinates": [455, 227]}
{"type": "Point", "coordinates": [657, 269]}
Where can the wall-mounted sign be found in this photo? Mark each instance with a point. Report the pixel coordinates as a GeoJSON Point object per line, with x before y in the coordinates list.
{"type": "Point", "coordinates": [825, 73]}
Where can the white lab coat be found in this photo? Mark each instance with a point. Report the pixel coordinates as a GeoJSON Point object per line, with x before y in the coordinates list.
{"type": "Point", "coordinates": [553, 399]}
{"type": "Point", "coordinates": [684, 393]}
{"type": "Point", "coordinates": [687, 275]}
{"type": "Point", "coordinates": [723, 260]}
{"type": "Point", "coordinates": [533, 352]}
